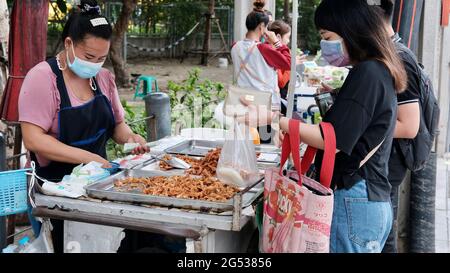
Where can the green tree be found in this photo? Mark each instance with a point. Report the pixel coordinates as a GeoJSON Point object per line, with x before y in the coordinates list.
{"type": "Point", "coordinates": [120, 27]}
{"type": "Point", "coordinates": [309, 36]}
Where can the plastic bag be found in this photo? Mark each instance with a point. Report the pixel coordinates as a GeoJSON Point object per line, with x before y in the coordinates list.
{"type": "Point", "coordinates": [43, 243]}
{"type": "Point", "coordinates": [238, 164]}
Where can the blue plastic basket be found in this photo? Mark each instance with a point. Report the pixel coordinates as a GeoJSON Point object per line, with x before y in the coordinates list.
{"type": "Point", "coordinates": [13, 192]}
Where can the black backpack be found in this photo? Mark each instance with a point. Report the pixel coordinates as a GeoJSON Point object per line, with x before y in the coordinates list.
{"type": "Point", "coordinates": [416, 151]}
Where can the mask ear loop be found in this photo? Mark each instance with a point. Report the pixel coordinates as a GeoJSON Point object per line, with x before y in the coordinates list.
{"type": "Point", "coordinates": [58, 62]}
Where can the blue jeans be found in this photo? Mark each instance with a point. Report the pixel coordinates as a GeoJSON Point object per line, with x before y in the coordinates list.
{"type": "Point", "coordinates": [359, 225]}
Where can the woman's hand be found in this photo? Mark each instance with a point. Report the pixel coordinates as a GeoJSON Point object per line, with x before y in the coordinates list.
{"type": "Point", "coordinates": [96, 158]}
{"type": "Point", "coordinates": [300, 59]}
{"type": "Point", "coordinates": [38, 141]}
{"type": "Point", "coordinates": [281, 135]}
{"type": "Point", "coordinates": [271, 37]}
{"type": "Point", "coordinates": [324, 89]}
{"type": "Point", "coordinates": [257, 115]}
{"type": "Point", "coordinates": [135, 138]}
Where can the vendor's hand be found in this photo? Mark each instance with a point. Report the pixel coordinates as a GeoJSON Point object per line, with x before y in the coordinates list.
{"type": "Point", "coordinates": [135, 138]}
{"type": "Point", "coordinates": [256, 116]}
{"type": "Point", "coordinates": [271, 37]}
{"type": "Point", "coordinates": [105, 163]}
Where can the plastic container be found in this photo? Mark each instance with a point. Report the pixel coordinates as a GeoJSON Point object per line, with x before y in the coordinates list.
{"type": "Point", "coordinates": [13, 192]}
{"type": "Point", "coordinates": [223, 63]}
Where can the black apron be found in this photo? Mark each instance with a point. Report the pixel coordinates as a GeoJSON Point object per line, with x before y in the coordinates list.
{"type": "Point", "coordinates": [88, 127]}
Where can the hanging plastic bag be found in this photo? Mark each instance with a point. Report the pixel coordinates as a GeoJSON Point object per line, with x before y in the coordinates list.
{"type": "Point", "coordinates": [238, 164]}
{"type": "Point", "coordinates": [43, 243]}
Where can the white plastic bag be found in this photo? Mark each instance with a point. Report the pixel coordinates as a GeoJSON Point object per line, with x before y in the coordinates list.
{"type": "Point", "coordinates": [43, 243]}
{"type": "Point", "coordinates": [238, 164]}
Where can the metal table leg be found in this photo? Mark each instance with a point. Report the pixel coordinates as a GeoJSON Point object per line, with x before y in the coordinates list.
{"type": "Point", "coordinates": [2, 232]}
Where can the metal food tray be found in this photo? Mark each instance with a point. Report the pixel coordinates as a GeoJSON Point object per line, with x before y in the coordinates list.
{"type": "Point", "coordinates": [194, 147]}
{"type": "Point", "coordinates": [201, 147]}
{"type": "Point", "coordinates": [104, 189]}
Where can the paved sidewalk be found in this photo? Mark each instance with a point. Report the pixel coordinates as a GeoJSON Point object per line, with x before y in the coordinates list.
{"type": "Point", "coordinates": [443, 205]}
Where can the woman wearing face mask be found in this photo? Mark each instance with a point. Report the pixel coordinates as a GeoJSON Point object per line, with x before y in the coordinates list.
{"type": "Point", "coordinates": [256, 63]}
{"type": "Point", "coordinates": [363, 116]}
{"type": "Point", "coordinates": [69, 106]}
{"type": "Point", "coordinates": [283, 32]}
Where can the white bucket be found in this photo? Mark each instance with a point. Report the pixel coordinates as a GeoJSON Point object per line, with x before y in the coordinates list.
{"type": "Point", "coordinates": [223, 62]}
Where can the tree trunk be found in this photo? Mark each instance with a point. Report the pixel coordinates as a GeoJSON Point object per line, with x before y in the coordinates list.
{"type": "Point", "coordinates": [120, 28]}
{"type": "Point", "coordinates": [286, 11]}
{"type": "Point", "coordinates": [207, 41]}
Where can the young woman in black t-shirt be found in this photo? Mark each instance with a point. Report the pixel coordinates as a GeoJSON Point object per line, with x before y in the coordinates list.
{"type": "Point", "coordinates": [363, 116]}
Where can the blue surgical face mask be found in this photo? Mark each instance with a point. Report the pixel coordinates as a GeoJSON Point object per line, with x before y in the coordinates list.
{"type": "Point", "coordinates": [82, 68]}
{"type": "Point", "coordinates": [333, 52]}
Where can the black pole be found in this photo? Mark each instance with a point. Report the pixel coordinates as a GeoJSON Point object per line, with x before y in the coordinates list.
{"type": "Point", "coordinates": [406, 21]}
{"type": "Point", "coordinates": [422, 208]}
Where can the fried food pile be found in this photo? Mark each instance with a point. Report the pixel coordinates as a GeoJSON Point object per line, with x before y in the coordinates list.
{"type": "Point", "coordinates": [205, 166]}
{"type": "Point", "coordinates": [187, 187]}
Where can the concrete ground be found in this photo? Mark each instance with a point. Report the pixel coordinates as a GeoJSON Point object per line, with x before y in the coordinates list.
{"type": "Point", "coordinates": [166, 70]}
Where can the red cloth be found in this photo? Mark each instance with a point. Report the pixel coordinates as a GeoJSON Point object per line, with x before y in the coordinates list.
{"type": "Point", "coordinates": [284, 76]}
{"type": "Point", "coordinates": [278, 58]}
{"type": "Point", "coordinates": [27, 48]}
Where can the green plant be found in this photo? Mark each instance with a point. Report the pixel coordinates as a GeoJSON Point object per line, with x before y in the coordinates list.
{"type": "Point", "coordinates": [309, 35]}
{"type": "Point", "coordinates": [134, 117]}
{"type": "Point", "coordinates": [193, 101]}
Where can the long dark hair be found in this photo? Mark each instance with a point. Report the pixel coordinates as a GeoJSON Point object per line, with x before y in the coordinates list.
{"type": "Point", "coordinates": [362, 29]}
{"type": "Point", "coordinates": [79, 24]}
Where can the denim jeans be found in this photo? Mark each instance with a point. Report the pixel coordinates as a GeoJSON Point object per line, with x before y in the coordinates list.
{"type": "Point", "coordinates": [359, 225]}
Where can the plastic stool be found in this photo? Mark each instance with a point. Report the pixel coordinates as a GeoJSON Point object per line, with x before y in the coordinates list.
{"type": "Point", "coordinates": [147, 86]}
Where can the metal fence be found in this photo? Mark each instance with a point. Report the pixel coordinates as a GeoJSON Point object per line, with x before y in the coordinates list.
{"type": "Point", "coordinates": [156, 25]}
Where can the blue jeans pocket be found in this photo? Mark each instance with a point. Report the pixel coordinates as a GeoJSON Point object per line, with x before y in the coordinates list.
{"type": "Point", "coordinates": [367, 223]}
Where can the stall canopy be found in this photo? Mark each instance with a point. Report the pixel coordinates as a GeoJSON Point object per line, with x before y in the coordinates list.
{"type": "Point", "coordinates": [27, 47]}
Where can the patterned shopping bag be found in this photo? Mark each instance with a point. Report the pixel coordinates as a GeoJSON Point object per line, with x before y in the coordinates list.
{"type": "Point", "coordinates": [298, 210]}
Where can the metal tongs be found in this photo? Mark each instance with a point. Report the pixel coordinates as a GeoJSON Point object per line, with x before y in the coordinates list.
{"type": "Point", "coordinates": [174, 162]}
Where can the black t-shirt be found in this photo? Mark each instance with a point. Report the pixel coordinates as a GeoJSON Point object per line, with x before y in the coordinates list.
{"type": "Point", "coordinates": [364, 115]}
{"type": "Point", "coordinates": [397, 167]}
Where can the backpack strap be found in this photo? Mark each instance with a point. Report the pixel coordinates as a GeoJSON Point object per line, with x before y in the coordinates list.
{"type": "Point", "coordinates": [245, 61]}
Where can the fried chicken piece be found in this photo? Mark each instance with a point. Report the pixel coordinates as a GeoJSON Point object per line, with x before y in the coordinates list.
{"type": "Point", "coordinates": [187, 187]}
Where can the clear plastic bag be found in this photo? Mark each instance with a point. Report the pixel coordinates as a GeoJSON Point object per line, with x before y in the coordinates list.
{"type": "Point", "coordinates": [43, 243]}
{"type": "Point", "coordinates": [238, 164]}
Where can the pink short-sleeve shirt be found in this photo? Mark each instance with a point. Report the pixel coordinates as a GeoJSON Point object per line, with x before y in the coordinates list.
{"type": "Point", "coordinates": [39, 99]}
